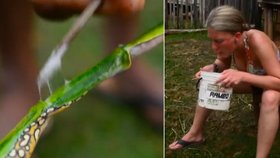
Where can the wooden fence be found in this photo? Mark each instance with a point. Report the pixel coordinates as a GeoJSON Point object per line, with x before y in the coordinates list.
{"type": "Point", "coordinates": [181, 14]}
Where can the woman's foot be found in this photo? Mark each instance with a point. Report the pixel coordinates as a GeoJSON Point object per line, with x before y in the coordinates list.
{"type": "Point", "coordinates": [186, 141]}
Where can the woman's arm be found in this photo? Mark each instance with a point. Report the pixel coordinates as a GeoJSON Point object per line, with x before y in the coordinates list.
{"type": "Point", "coordinates": [231, 78]}
{"type": "Point", "coordinates": [219, 65]}
{"type": "Point", "coordinates": [264, 49]}
{"type": "Point", "coordinates": [265, 82]}
{"type": "Point", "coordinates": [262, 46]}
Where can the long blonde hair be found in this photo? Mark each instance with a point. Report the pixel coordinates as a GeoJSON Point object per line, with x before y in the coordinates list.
{"type": "Point", "coordinates": [227, 18]}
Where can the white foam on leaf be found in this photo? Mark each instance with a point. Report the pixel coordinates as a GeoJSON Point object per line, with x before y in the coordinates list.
{"type": "Point", "coordinates": [52, 65]}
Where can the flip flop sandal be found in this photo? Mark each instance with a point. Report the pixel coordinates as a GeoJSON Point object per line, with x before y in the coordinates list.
{"type": "Point", "coordinates": [186, 144]}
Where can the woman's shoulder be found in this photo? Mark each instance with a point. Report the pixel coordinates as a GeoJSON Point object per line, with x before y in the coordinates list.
{"type": "Point", "coordinates": [255, 32]}
{"type": "Point", "coordinates": [257, 36]}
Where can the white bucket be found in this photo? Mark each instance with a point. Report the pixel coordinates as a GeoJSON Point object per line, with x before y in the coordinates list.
{"type": "Point", "coordinates": [212, 95]}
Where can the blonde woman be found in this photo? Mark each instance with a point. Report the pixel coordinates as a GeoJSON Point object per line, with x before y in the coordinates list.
{"type": "Point", "coordinates": [256, 59]}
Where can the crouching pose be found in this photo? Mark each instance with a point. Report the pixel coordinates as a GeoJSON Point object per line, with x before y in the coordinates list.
{"type": "Point", "coordinates": [257, 62]}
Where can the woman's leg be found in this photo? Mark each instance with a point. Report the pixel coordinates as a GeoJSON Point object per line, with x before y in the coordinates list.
{"type": "Point", "coordinates": [196, 131]}
{"type": "Point", "coordinates": [268, 122]}
{"type": "Point", "coordinates": [201, 114]}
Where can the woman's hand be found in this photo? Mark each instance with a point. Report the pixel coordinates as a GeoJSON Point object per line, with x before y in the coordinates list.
{"type": "Point", "coordinates": [208, 68]}
{"type": "Point", "coordinates": [230, 78]}
{"type": "Point", "coordinates": [62, 9]}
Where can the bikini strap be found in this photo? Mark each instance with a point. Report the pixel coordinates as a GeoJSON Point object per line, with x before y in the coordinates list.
{"type": "Point", "coordinates": [248, 51]}
{"type": "Point", "coordinates": [245, 40]}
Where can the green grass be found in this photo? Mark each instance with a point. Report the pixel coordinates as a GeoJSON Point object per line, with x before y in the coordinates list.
{"type": "Point", "coordinates": [201, 35]}
{"type": "Point", "coordinates": [228, 134]}
{"type": "Point", "coordinates": [97, 126]}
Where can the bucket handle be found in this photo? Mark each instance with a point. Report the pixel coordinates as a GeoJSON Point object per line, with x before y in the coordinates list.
{"type": "Point", "coordinates": [197, 83]}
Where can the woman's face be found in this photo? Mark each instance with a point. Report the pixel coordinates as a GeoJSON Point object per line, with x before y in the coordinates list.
{"type": "Point", "coordinates": [223, 43]}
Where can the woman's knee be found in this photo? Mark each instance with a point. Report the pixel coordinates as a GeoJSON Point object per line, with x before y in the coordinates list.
{"type": "Point", "coordinates": [270, 100]}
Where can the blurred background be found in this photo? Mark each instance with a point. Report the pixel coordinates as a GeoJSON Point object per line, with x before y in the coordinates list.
{"type": "Point", "coordinates": [97, 125]}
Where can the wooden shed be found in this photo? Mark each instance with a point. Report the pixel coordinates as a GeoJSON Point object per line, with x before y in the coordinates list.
{"type": "Point", "coordinates": [187, 14]}
{"type": "Point", "coordinates": [271, 17]}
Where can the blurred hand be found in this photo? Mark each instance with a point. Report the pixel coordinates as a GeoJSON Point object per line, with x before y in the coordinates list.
{"type": "Point", "coordinates": [207, 68]}
{"type": "Point", "coordinates": [62, 9]}
{"type": "Point", "coordinates": [230, 78]}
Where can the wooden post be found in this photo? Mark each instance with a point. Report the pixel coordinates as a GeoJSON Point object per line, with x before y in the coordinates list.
{"type": "Point", "coordinates": [195, 13]}
{"type": "Point", "coordinates": [187, 12]}
{"type": "Point", "coordinates": [173, 14]}
{"type": "Point", "coordinates": [270, 23]}
{"type": "Point", "coordinates": [191, 14]}
{"type": "Point", "coordinates": [181, 18]}
{"type": "Point", "coordinates": [170, 14]}
{"type": "Point", "coordinates": [177, 14]}
{"type": "Point", "coordinates": [268, 29]}
{"type": "Point", "coordinates": [277, 28]}
{"type": "Point", "coordinates": [201, 12]}
{"type": "Point", "coordinates": [166, 7]}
